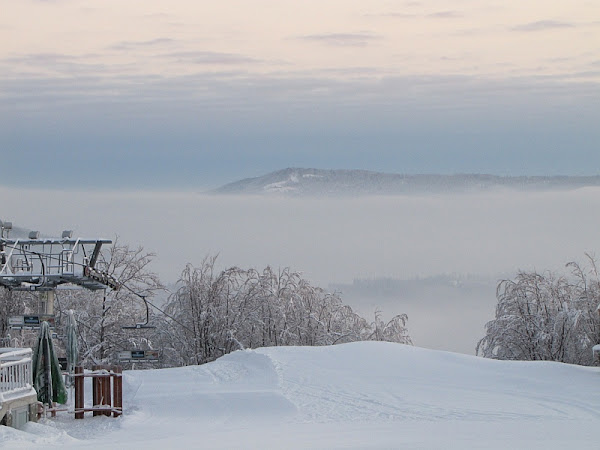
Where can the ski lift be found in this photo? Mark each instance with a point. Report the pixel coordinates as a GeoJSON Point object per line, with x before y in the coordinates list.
{"type": "Point", "coordinates": [140, 325]}
{"type": "Point", "coordinates": [40, 264]}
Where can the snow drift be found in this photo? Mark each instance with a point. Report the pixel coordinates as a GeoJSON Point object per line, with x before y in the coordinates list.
{"type": "Point", "coordinates": [358, 395]}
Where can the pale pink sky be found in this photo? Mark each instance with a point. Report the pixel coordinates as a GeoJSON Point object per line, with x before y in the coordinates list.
{"type": "Point", "coordinates": [491, 38]}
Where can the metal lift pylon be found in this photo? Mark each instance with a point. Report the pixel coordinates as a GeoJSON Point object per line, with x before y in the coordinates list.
{"type": "Point", "coordinates": [36, 264]}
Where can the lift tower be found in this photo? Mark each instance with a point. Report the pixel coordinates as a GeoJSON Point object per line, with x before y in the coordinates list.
{"type": "Point", "coordinates": [36, 264]}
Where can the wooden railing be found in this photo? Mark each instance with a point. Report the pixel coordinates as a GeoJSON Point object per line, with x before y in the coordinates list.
{"type": "Point", "coordinates": [15, 372]}
{"type": "Point", "coordinates": [107, 398]}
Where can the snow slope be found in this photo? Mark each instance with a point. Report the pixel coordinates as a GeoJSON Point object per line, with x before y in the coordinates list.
{"type": "Point", "coordinates": [359, 395]}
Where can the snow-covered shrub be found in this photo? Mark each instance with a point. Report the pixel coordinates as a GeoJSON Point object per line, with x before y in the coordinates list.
{"type": "Point", "coordinates": [213, 313]}
{"type": "Point", "coordinates": [546, 317]}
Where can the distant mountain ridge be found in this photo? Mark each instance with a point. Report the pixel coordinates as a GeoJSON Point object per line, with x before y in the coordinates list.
{"type": "Point", "coordinates": [317, 182]}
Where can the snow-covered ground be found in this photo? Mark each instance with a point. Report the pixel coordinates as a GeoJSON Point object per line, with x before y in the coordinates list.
{"type": "Point", "coordinates": [359, 395]}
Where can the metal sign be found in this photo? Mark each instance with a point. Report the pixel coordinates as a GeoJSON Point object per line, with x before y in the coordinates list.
{"type": "Point", "coordinates": [16, 321]}
{"type": "Point", "coordinates": [31, 321]}
{"type": "Point", "coordinates": [63, 364]}
{"type": "Point", "coordinates": [138, 355]}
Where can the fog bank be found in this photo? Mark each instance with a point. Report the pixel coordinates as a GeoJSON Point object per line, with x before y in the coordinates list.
{"type": "Point", "coordinates": [332, 240]}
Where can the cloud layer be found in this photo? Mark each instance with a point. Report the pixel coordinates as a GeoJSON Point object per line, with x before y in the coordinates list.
{"type": "Point", "coordinates": [197, 94]}
{"type": "Point", "coordinates": [542, 25]}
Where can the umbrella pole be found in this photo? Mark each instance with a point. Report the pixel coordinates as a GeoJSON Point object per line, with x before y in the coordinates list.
{"type": "Point", "coordinates": [48, 370]}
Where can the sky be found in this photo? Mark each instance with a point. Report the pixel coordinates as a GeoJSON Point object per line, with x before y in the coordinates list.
{"type": "Point", "coordinates": [106, 95]}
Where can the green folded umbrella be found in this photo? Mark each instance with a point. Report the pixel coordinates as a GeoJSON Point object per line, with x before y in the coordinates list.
{"type": "Point", "coordinates": [47, 377]}
{"type": "Point", "coordinates": [72, 348]}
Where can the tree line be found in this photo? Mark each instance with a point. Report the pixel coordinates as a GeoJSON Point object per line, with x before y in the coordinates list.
{"type": "Point", "coordinates": [209, 312]}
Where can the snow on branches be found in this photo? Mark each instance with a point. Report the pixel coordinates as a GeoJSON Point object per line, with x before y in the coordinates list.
{"type": "Point", "coordinates": [209, 314]}
{"type": "Point", "coordinates": [216, 313]}
{"type": "Point", "coordinates": [546, 317]}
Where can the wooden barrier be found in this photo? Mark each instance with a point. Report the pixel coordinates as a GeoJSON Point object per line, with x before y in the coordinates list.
{"type": "Point", "coordinates": [107, 391]}
{"type": "Point", "coordinates": [79, 392]}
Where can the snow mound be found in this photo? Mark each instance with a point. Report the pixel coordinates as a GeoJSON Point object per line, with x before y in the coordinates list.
{"type": "Point", "coordinates": [359, 395]}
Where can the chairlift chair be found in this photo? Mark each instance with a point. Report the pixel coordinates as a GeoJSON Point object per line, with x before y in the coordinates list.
{"type": "Point", "coordinates": [140, 325]}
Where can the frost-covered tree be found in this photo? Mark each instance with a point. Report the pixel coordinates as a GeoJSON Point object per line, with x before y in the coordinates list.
{"type": "Point", "coordinates": [13, 303]}
{"type": "Point", "coordinates": [392, 331]}
{"type": "Point", "coordinates": [212, 313]}
{"type": "Point", "coordinates": [546, 317]}
{"type": "Point", "coordinates": [101, 315]}
{"type": "Point", "coordinates": [587, 301]}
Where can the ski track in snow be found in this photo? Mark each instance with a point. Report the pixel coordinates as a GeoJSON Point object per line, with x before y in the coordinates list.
{"type": "Point", "coordinates": [321, 400]}
{"type": "Point", "coordinates": [361, 395]}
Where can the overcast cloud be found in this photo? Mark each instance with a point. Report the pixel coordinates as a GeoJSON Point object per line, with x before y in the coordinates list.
{"type": "Point", "coordinates": [196, 95]}
{"type": "Point", "coordinates": [203, 130]}
{"type": "Point", "coordinates": [542, 25]}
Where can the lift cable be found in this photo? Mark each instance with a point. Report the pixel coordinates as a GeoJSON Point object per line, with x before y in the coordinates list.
{"type": "Point", "coordinates": [148, 302]}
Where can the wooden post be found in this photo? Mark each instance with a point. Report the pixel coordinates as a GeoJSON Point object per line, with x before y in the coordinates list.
{"type": "Point", "coordinates": [96, 391]}
{"type": "Point", "coordinates": [106, 397]}
{"type": "Point", "coordinates": [79, 392]}
{"type": "Point", "coordinates": [118, 390]}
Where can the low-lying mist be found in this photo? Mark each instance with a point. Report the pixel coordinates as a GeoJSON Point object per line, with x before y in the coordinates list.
{"type": "Point", "coordinates": [337, 240]}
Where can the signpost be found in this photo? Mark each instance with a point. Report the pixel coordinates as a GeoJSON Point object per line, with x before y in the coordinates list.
{"type": "Point", "coordinates": [138, 356]}
{"type": "Point", "coordinates": [30, 322]}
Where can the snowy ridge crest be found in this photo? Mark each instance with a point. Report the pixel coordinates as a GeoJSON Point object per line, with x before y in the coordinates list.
{"type": "Point", "coordinates": [317, 182]}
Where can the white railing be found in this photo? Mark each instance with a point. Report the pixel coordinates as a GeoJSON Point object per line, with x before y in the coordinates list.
{"type": "Point", "coordinates": [15, 372]}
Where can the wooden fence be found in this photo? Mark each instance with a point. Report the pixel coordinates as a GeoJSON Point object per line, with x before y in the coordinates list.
{"type": "Point", "coordinates": [107, 391]}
